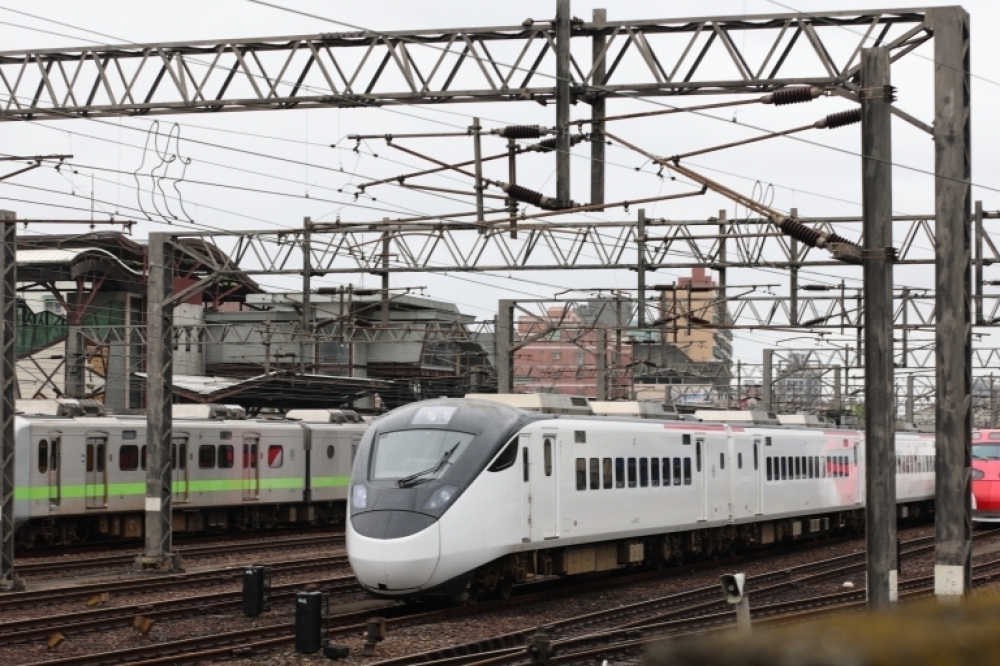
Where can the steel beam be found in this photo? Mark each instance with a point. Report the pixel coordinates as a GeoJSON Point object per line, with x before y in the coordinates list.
{"type": "Point", "coordinates": [360, 69]}
{"type": "Point", "coordinates": [8, 396]}
{"type": "Point", "coordinates": [598, 109]}
{"type": "Point", "coordinates": [158, 554]}
{"type": "Point", "coordinates": [880, 403]}
{"type": "Point", "coordinates": [953, 344]}
{"type": "Point", "coordinates": [563, 100]}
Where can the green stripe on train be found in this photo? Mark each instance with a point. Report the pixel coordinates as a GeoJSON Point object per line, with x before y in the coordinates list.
{"type": "Point", "coordinates": [198, 486]}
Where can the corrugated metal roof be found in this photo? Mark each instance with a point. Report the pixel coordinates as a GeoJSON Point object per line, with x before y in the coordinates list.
{"type": "Point", "coordinates": [65, 256]}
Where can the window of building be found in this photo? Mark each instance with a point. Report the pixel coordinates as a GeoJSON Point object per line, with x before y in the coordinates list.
{"type": "Point", "coordinates": [632, 476]}
{"type": "Point", "coordinates": [128, 457]}
{"type": "Point", "coordinates": [619, 472]}
{"type": "Point", "coordinates": [581, 473]}
{"type": "Point", "coordinates": [556, 356]}
{"type": "Point", "coordinates": [547, 448]}
{"type": "Point", "coordinates": [206, 456]}
{"type": "Point", "coordinates": [43, 456]}
{"type": "Point", "coordinates": [644, 472]}
{"type": "Point", "coordinates": [581, 358]}
{"type": "Point", "coordinates": [608, 480]}
{"type": "Point", "coordinates": [226, 456]}
{"type": "Point", "coordinates": [275, 456]}
{"type": "Point", "coordinates": [595, 474]}
{"type": "Point", "coordinates": [687, 472]}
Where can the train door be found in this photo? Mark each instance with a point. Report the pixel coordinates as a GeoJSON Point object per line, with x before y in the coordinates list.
{"type": "Point", "coordinates": [179, 480]}
{"type": "Point", "coordinates": [524, 442]}
{"type": "Point", "coordinates": [699, 475]}
{"type": "Point", "coordinates": [758, 465]}
{"type": "Point", "coordinates": [55, 473]}
{"type": "Point", "coordinates": [96, 482]}
{"type": "Point", "coordinates": [544, 479]}
{"type": "Point", "coordinates": [742, 477]}
{"type": "Point", "coordinates": [717, 464]}
{"type": "Point", "coordinates": [251, 466]}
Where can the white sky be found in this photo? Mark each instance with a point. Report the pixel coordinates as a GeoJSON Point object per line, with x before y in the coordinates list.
{"type": "Point", "coordinates": [815, 180]}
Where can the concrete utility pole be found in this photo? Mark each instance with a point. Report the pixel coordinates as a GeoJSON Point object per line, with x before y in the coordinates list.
{"type": "Point", "coordinates": [909, 399]}
{"type": "Point", "coordinates": [563, 31]}
{"type": "Point", "coordinates": [8, 395]}
{"type": "Point", "coordinates": [504, 335]}
{"type": "Point", "coordinates": [159, 553]}
{"type": "Point", "coordinates": [598, 109]}
{"type": "Point", "coordinates": [953, 334]}
{"type": "Point", "coordinates": [640, 241]}
{"type": "Point", "coordinates": [601, 363]}
{"type": "Point", "coordinates": [878, 253]}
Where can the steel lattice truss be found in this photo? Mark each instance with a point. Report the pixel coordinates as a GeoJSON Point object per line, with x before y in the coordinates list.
{"type": "Point", "coordinates": [501, 63]}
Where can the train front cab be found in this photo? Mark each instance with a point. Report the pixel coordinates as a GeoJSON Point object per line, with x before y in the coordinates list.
{"type": "Point", "coordinates": [411, 467]}
{"type": "Point", "coordinates": [986, 476]}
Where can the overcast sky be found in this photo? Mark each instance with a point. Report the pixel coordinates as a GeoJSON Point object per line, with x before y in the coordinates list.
{"type": "Point", "coordinates": [816, 179]}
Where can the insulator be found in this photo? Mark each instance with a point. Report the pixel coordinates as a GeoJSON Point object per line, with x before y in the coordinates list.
{"type": "Point", "coordinates": [841, 118]}
{"type": "Point", "coordinates": [807, 235]}
{"type": "Point", "coordinates": [521, 132]}
{"type": "Point", "coordinates": [792, 95]}
{"type": "Point", "coordinates": [548, 145]}
{"type": "Point", "coordinates": [520, 193]}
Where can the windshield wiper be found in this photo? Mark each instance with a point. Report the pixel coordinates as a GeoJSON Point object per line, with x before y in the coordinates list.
{"type": "Point", "coordinates": [408, 480]}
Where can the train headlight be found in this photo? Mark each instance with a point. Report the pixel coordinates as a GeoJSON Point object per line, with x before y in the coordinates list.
{"type": "Point", "coordinates": [440, 497]}
{"type": "Point", "coordinates": [359, 497]}
{"type": "Point", "coordinates": [977, 474]}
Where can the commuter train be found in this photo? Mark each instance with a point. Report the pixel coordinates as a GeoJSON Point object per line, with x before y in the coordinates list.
{"type": "Point", "coordinates": [462, 496]}
{"type": "Point", "coordinates": [84, 477]}
{"type": "Point", "coordinates": [986, 476]}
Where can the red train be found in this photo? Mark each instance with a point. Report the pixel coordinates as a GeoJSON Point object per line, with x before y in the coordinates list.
{"type": "Point", "coordinates": [986, 476]}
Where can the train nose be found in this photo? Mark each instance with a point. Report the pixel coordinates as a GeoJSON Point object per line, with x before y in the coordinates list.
{"type": "Point", "coordinates": [385, 562]}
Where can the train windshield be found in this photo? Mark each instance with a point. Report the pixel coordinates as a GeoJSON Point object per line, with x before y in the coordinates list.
{"type": "Point", "coordinates": [986, 451]}
{"type": "Point", "coordinates": [415, 456]}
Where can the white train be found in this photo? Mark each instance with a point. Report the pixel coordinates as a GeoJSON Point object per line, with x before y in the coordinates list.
{"type": "Point", "coordinates": [82, 477]}
{"type": "Point", "coordinates": [460, 496]}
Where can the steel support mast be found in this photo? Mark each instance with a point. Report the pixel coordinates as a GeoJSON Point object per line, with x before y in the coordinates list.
{"type": "Point", "coordinates": [158, 553]}
{"type": "Point", "coordinates": [563, 80]}
{"type": "Point", "coordinates": [8, 396]}
{"type": "Point", "coordinates": [878, 254]}
{"type": "Point", "coordinates": [953, 343]}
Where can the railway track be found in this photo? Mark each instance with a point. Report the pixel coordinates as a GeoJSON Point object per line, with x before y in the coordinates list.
{"type": "Point", "coordinates": [126, 559]}
{"type": "Point", "coordinates": [227, 574]}
{"type": "Point", "coordinates": [245, 642]}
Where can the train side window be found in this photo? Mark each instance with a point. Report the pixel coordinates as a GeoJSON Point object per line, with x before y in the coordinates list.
{"type": "Point", "coordinates": [182, 456]}
{"type": "Point", "coordinates": [666, 472]}
{"type": "Point", "coordinates": [654, 472]}
{"type": "Point", "coordinates": [687, 471]}
{"type": "Point", "coordinates": [816, 466]}
{"type": "Point", "coordinates": [142, 458]}
{"type": "Point", "coordinates": [722, 460]}
{"type": "Point", "coordinates": [784, 468]}
{"type": "Point", "coordinates": [246, 456]}
{"type": "Point", "coordinates": [686, 440]}
{"type": "Point", "coordinates": [767, 441]}
{"type": "Point", "coordinates": [54, 453]}
{"type": "Point", "coordinates": [524, 463]}
{"type": "Point", "coordinates": [697, 453]}
{"type": "Point", "coordinates": [43, 456]}
{"type": "Point", "coordinates": [581, 473]}
{"type": "Point", "coordinates": [756, 455]}
{"type": "Point", "coordinates": [739, 461]}
{"type": "Point", "coordinates": [548, 456]}
{"type": "Point", "coordinates": [632, 481]}
{"type": "Point", "coordinates": [595, 474]}
{"type": "Point", "coordinates": [90, 457]}
{"type": "Point", "coordinates": [619, 472]}
{"type": "Point", "coordinates": [798, 467]}
{"type": "Point", "coordinates": [677, 471]}
{"type": "Point", "coordinates": [768, 464]}
{"type": "Point", "coordinates": [226, 456]}
{"type": "Point", "coordinates": [100, 457]}
{"type": "Point", "coordinates": [644, 472]}
{"type": "Point", "coordinates": [809, 464]}
{"type": "Point", "coordinates": [275, 455]}
{"type": "Point", "coordinates": [506, 459]}
{"type": "Point", "coordinates": [253, 456]}
{"type": "Point", "coordinates": [330, 451]}
{"type": "Point", "coordinates": [608, 476]}
{"type": "Point", "coordinates": [128, 457]}
{"type": "Point", "coordinates": [206, 456]}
